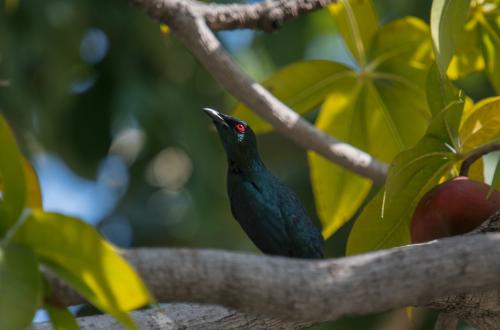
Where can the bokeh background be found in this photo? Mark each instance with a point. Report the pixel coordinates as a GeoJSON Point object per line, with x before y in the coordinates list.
{"type": "Point", "coordinates": [107, 108]}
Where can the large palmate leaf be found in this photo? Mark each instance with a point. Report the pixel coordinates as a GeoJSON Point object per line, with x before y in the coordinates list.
{"type": "Point", "coordinates": [357, 23]}
{"type": "Point", "coordinates": [301, 85]}
{"type": "Point", "coordinates": [382, 113]}
{"type": "Point", "coordinates": [20, 287]}
{"type": "Point", "coordinates": [11, 176]}
{"type": "Point", "coordinates": [447, 20]}
{"type": "Point", "coordinates": [80, 256]}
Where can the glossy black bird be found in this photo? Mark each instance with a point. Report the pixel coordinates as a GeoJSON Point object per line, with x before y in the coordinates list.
{"type": "Point", "coordinates": [267, 210]}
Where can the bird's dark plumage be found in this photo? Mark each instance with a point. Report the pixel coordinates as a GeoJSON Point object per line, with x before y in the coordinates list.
{"type": "Point", "coordinates": [267, 210]}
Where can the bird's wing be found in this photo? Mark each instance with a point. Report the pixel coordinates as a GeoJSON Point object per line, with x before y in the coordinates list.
{"type": "Point", "coordinates": [257, 211]}
{"type": "Point", "coordinates": [306, 240]}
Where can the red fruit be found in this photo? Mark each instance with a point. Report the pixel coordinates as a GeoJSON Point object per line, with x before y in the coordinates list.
{"type": "Point", "coordinates": [454, 207]}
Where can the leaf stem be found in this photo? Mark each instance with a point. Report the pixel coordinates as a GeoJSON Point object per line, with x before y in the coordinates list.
{"type": "Point", "coordinates": [476, 154]}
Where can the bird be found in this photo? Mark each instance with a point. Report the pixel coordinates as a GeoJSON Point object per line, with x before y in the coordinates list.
{"type": "Point", "coordinates": [268, 211]}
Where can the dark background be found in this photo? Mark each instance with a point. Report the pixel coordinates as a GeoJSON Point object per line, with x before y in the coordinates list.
{"type": "Point", "coordinates": [108, 110]}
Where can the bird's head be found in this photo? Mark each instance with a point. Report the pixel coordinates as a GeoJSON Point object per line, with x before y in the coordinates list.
{"type": "Point", "coordinates": [237, 137]}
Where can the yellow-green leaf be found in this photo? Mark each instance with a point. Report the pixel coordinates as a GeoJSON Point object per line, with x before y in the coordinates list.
{"type": "Point", "coordinates": [384, 222]}
{"type": "Point", "coordinates": [468, 57]}
{"type": "Point", "coordinates": [20, 287]}
{"type": "Point", "coordinates": [338, 193]}
{"type": "Point", "coordinates": [13, 180]}
{"type": "Point", "coordinates": [382, 113]}
{"type": "Point", "coordinates": [86, 261]}
{"type": "Point", "coordinates": [447, 20]}
{"type": "Point", "coordinates": [33, 192]}
{"type": "Point", "coordinates": [301, 85]}
{"type": "Point", "coordinates": [482, 125]}
{"type": "Point", "coordinates": [491, 46]}
{"type": "Point", "coordinates": [357, 23]}
{"type": "Point", "coordinates": [61, 318]}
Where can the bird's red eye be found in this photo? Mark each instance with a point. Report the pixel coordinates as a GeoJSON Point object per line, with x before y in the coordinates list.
{"type": "Point", "coordinates": [240, 127]}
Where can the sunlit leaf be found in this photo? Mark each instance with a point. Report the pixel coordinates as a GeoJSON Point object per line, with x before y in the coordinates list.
{"type": "Point", "coordinates": [20, 287]}
{"type": "Point", "coordinates": [382, 113]}
{"type": "Point", "coordinates": [302, 86]}
{"type": "Point", "coordinates": [482, 125]}
{"type": "Point", "coordinates": [357, 23]}
{"type": "Point", "coordinates": [447, 20]}
{"type": "Point", "coordinates": [468, 57]}
{"type": "Point", "coordinates": [86, 261]}
{"type": "Point", "coordinates": [11, 171]}
{"type": "Point", "coordinates": [385, 220]}
{"type": "Point", "coordinates": [61, 318]}
{"type": "Point", "coordinates": [339, 193]}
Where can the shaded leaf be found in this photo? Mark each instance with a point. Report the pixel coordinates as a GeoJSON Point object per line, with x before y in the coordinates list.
{"type": "Point", "coordinates": [61, 318]}
{"type": "Point", "coordinates": [491, 47]}
{"type": "Point", "coordinates": [13, 180]}
{"type": "Point", "coordinates": [357, 23]}
{"type": "Point", "coordinates": [301, 85]}
{"type": "Point", "coordinates": [495, 183]}
{"type": "Point", "coordinates": [439, 91]}
{"type": "Point", "coordinates": [33, 192]}
{"type": "Point", "coordinates": [87, 262]}
{"type": "Point", "coordinates": [447, 20]}
{"type": "Point", "coordinates": [20, 287]}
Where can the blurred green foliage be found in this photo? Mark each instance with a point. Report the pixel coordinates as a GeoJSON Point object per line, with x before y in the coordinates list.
{"type": "Point", "coordinates": [78, 75]}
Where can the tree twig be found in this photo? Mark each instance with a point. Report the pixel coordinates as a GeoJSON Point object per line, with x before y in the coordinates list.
{"type": "Point", "coordinates": [188, 23]}
{"type": "Point", "coordinates": [476, 154]}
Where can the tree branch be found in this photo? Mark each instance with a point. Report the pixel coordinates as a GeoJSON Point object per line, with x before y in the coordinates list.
{"type": "Point", "coordinates": [187, 21]}
{"type": "Point", "coordinates": [267, 15]}
{"type": "Point", "coordinates": [318, 291]}
{"type": "Point", "coordinates": [184, 316]}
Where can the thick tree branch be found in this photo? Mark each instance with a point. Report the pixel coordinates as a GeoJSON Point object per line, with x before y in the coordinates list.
{"type": "Point", "coordinates": [266, 15]}
{"type": "Point", "coordinates": [318, 291]}
{"type": "Point", "coordinates": [184, 316]}
{"type": "Point", "coordinates": [187, 21]}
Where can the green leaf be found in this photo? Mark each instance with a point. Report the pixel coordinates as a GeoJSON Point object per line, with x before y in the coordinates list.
{"type": "Point", "coordinates": [20, 287]}
{"type": "Point", "coordinates": [491, 46]}
{"type": "Point", "coordinates": [80, 256]}
{"type": "Point", "coordinates": [382, 113]}
{"type": "Point", "coordinates": [11, 172]}
{"type": "Point", "coordinates": [440, 91]}
{"type": "Point", "coordinates": [468, 57]}
{"type": "Point", "coordinates": [33, 191]}
{"type": "Point", "coordinates": [448, 18]}
{"type": "Point", "coordinates": [384, 223]}
{"type": "Point", "coordinates": [357, 23]}
{"type": "Point", "coordinates": [61, 318]}
{"type": "Point", "coordinates": [301, 85]}
{"type": "Point", "coordinates": [338, 193]}
{"type": "Point", "coordinates": [495, 183]}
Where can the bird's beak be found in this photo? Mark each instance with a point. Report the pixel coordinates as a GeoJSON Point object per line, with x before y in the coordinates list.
{"type": "Point", "coordinates": [216, 116]}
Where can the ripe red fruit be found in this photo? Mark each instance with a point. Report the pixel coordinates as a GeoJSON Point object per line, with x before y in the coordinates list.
{"type": "Point", "coordinates": [452, 208]}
